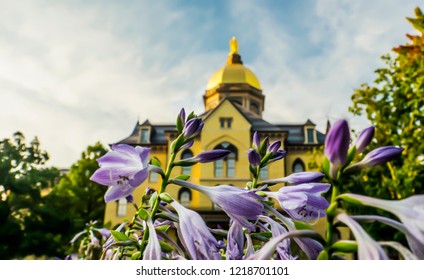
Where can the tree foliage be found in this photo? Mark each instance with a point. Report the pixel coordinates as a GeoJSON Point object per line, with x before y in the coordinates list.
{"type": "Point", "coordinates": [394, 104]}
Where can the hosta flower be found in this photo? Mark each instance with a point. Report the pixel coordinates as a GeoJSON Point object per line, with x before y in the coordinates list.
{"type": "Point", "coordinates": [253, 157]}
{"type": "Point", "coordinates": [235, 242]}
{"type": "Point", "coordinates": [409, 210]}
{"type": "Point", "coordinates": [368, 248]}
{"type": "Point", "coordinates": [296, 178]}
{"type": "Point", "coordinates": [303, 202]}
{"type": "Point", "coordinates": [283, 248]}
{"type": "Point", "coordinates": [311, 247]}
{"type": "Point", "coordinates": [240, 205]}
{"type": "Point", "coordinates": [195, 235]}
{"type": "Point", "coordinates": [336, 145]}
{"type": "Point", "coordinates": [123, 169]}
{"type": "Point", "coordinates": [376, 157]}
{"type": "Point", "coordinates": [192, 128]}
{"type": "Point", "coordinates": [364, 139]}
{"type": "Point", "coordinates": [152, 251]}
{"type": "Point", "coordinates": [204, 157]}
{"type": "Point", "coordinates": [416, 245]}
{"type": "Point", "coordinates": [256, 143]}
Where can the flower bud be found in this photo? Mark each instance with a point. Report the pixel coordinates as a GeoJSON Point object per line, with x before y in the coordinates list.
{"type": "Point", "coordinates": [337, 143]}
{"type": "Point", "coordinates": [192, 128]}
{"type": "Point", "coordinates": [364, 139]}
{"type": "Point", "coordinates": [256, 141]}
{"type": "Point", "coordinates": [254, 157]}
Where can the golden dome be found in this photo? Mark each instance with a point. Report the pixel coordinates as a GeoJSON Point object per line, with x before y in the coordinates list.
{"type": "Point", "coordinates": [233, 72]}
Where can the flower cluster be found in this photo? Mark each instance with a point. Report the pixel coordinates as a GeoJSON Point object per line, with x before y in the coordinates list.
{"type": "Point", "coordinates": [266, 221]}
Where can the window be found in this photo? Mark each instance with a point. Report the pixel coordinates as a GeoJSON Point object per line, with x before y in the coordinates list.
{"type": "Point", "coordinates": [227, 166]}
{"type": "Point", "coordinates": [225, 122]}
{"type": "Point", "coordinates": [218, 168]}
{"type": "Point", "coordinates": [154, 177]}
{"type": "Point", "coordinates": [184, 196]}
{"type": "Point", "coordinates": [122, 207]}
{"type": "Point", "coordinates": [231, 165]}
{"type": "Point", "coordinates": [254, 107]}
{"type": "Point", "coordinates": [310, 135]}
{"type": "Point", "coordinates": [144, 135]}
{"type": "Point", "coordinates": [264, 172]}
{"type": "Point", "coordinates": [298, 166]}
{"type": "Point", "coordinates": [184, 155]}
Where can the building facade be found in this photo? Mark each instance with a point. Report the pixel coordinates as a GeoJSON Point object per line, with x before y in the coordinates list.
{"type": "Point", "coordinates": [234, 103]}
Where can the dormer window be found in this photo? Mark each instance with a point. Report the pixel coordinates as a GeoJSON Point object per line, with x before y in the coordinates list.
{"type": "Point", "coordinates": [145, 135]}
{"type": "Point", "coordinates": [310, 135]}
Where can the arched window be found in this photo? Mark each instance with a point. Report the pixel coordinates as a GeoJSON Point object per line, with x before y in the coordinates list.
{"type": "Point", "coordinates": [184, 155]}
{"type": "Point", "coordinates": [298, 166]}
{"type": "Point", "coordinates": [226, 167]}
{"type": "Point", "coordinates": [184, 196]}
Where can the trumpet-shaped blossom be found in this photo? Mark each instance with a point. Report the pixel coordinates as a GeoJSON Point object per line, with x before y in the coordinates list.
{"type": "Point", "coordinates": [417, 246]}
{"type": "Point", "coordinates": [241, 205]}
{"type": "Point", "coordinates": [409, 210]}
{"type": "Point", "coordinates": [310, 246]}
{"type": "Point", "coordinates": [303, 202]}
{"type": "Point", "coordinates": [283, 248]}
{"type": "Point", "coordinates": [152, 251]}
{"type": "Point", "coordinates": [123, 169]}
{"type": "Point", "coordinates": [376, 157]}
{"type": "Point", "coordinates": [254, 157]}
{"type": "Point", "coordinates": [296, 178]}
{"type": "Point", "coordinates": [364, 139]}
{"type": "Point", "coordinates": [235, 242]}
{"type": "Point", "coordinates": [368, 248]}
{"type": "Point", "coordinates": [195, 235]}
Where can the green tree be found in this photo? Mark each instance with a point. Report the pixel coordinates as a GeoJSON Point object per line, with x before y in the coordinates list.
{"type": "Point", "coordinates": [85, 197]}
{"type": "Point", "coordinates": [23, 180]}
{"type": "Point", "coordinates": [394, 104]}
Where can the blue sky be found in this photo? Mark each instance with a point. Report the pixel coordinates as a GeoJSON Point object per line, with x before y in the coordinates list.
{"type": "Point", "coordinates": [77, 72]}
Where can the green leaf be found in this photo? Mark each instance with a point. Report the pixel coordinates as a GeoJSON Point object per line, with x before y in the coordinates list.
{"type": "Point", "coordinates": [155, 161]}
{"type": "Point", "coordinates": [179, 125]}
{"type": "Point", "coordinates": [183, 177]}
{"type": "Point", "coordinates": [136, 256]}
{"type": "Point", "coordinates": [119, 236]}
{"type": "Point", "coordinates": [143, 214]}
{"type": "Point", "coordinates": [166, 197]}
{"type": "Point", "coordinates": [165, 247]}
{"type": "Point", "coordinates": [323, 255]}
{"type": "Point", "coordinates": [345, 246]}
{"type": "Point", "coordinates": [302, 226]}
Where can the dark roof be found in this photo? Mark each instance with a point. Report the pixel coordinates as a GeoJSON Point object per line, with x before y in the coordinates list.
{"type": "Point", "coordinates": [295, 132]}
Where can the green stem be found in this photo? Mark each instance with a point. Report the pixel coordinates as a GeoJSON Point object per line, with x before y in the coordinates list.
{"type": "Point", "coordinates": [155, 207]}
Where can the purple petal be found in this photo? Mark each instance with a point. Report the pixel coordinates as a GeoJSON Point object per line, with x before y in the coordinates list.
{"type": "Point", "coordinates": [337, 142]}
{"type": "Point", "coordinates": [143, 154]}
{"type": "Point", "coordinates": [256, 141]}
{"type": "Point", "coordinates": [273, 148]}
{"type": "Point", "coordinates": [364, 139]}
{"type": "Point", "coordinates": [254, 157]}
{"type": "Point", "coordinates": [115, 193]}
{"type": "Point", "coordinates": [139, 178]}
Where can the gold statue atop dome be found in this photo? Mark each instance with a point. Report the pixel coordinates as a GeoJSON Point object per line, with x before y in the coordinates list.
{"type": "Point", "coordinates": [233, 45]}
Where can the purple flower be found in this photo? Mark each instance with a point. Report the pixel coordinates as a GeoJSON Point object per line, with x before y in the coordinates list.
{"type": "Point", "coordinates": [303, 202]}
{"type": "Point", "coordinates": [409, 210]}
{"type": "Point", "coordinates": [254, 157]}
{"type": "Point", "coordinates": [182, 116]}
{"type": "Point", "coordinates": [192, 128]}
{"type": "Point", "coordinates": [235, 242]}
{"type": "Point", "coordinates": [283, 249]}
{"type": "Point", "coordinates": [296, 178]}
{"type": "Point", "coordinates": [417, 246]}
{"type": "Point", "coordinates": [337, 145]}
{"type": "Point", "coordinates": [337, 142]}
{"type": "Point", "coordinates": [368, 248]}
{"type": "Point", "coordinates": [273, 148]}
{"type": "Point", "coordinates": [240, 205]}
{"type": "Point", "coordinates": [256, 141]}
{"type": "Point", "coordinates": [375, 157]}
{"type": "Point", "coordinates": [204, 157]}
{"type": "Point", "coordinates": [311, 247]}
{"type": "Point", "coordinates": [195, 235]}
{"type": "Point", "coordinates": [123, 168]}
{"type": "Point", "coordinates": [364, 139]}
{"type": "Point", "coordinates": [152, 251]}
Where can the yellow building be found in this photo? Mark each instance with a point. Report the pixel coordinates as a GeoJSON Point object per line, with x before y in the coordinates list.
{"type": "Point", "coordinates": [234, 104]}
